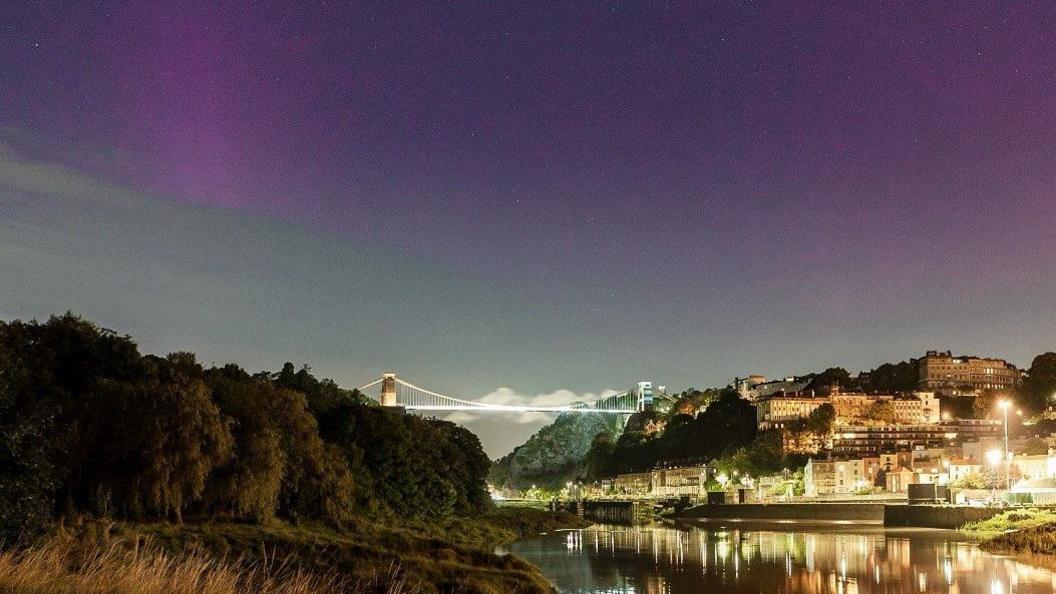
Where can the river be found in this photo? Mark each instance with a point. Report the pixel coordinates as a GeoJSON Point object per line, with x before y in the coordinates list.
{"type": "Point", "coordinates": [732, 559]}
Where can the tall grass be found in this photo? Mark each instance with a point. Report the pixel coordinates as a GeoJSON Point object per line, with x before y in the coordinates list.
{"type": "Point", "coordinates": [65, 566]}
{"type": "Point", "coordinates": [1017, 519]}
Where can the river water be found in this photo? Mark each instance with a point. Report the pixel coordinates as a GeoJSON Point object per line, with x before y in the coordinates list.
{"type": "Point", "coordinates": [732, 559]}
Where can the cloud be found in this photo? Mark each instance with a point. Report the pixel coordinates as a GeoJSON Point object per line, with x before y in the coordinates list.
{"type": "Point", "coordinates": [509, 397]}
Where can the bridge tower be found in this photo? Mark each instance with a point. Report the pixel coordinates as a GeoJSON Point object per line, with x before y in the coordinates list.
{"type": "Point", "coordinates": [644, 393]}
{"type": "Point", "coordinates": [388, 389]}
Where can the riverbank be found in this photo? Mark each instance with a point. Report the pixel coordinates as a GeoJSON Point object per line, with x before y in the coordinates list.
{"type": "Point", "coordinates": [949, 517]}
{"type": "Point", "coordinates": [1028, 534]}
{"type": "Point", "coordinates": [452, 555]}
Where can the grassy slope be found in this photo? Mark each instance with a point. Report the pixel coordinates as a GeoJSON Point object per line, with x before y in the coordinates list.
{"type": "Point", "coordinates": [1020, 531]}
{"type": "Point", "coordinates": [452, 556]}
{"type": "Point", "coordinates": [1037, 540]}
{"type": "Point", "coordinates": [1016, 519]}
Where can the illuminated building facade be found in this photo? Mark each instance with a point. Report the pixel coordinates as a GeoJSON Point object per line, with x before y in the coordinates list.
{"type": "Point", "coordinates": [942, 372]}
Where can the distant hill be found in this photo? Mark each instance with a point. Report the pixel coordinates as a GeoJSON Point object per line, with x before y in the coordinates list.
{"type": "Point", "coordinates": [555, 454]}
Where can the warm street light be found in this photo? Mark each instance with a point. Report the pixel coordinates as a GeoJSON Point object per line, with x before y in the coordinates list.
{"type": "Point", "coordinates": [1004, 405]}
{"type": "Point", "coordinates": [993, 457]}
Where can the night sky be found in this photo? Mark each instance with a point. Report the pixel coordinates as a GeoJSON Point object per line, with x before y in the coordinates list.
{"type": "Point", "coordinates": [550, 199]}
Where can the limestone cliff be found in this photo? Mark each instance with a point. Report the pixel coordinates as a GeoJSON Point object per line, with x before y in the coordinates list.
{"type": "Point", "coordinates": [555, 454]}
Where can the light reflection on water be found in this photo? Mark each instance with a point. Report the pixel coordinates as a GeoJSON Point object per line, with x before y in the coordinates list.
{"type": "Point", "coordinates": [733, 560]}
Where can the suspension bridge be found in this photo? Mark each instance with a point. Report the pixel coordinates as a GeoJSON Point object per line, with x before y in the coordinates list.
{"type": "Point", "coordinates": [392, 391]}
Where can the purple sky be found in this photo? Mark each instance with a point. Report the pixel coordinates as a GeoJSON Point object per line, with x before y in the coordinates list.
{"type": "Point", "coordinates": [717, 189]}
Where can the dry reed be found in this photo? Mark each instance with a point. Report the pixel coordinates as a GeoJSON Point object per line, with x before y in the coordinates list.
{"type": "Point", "coordinates": [65, 566]}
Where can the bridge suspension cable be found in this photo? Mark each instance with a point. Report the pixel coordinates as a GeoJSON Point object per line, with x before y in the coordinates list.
{"type": "Point", "coordinates": [397, 392]}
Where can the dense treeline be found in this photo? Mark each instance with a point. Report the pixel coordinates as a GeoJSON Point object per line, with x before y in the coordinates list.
{"type": "Point", "coordinates": [88, 425]}
{"type": "Point", "coordinates": [722, 429]}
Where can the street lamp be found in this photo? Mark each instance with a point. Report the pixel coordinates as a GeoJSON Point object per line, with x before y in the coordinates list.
{"type": "Point", "coordinates": [1004, 406]}
{"type": "Point", "coordinates": [993, 457]}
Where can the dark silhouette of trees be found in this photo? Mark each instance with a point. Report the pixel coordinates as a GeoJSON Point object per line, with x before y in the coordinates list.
{"type": "Point", "coordinates": [832, 377]}
{"type": "Point", "coordinates": [90, 426]}
{"type": "Point", "coordinates": [1039, 389]}
{"type": "Point", "coordinates": [28, 475]}
{"type": "Point", "coordinates": [891, 378]}
{"type": "Point", "coordinates": [821, 419]}
{"type": "Point", "coordinates": [598, 462]}
{"type": "Point", "coordinates": [727, 424]}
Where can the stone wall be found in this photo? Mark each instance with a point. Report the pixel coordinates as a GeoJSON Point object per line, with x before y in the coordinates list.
{"type": "Point", "coordinates": [936, 516]}
{"type": "Point", "coordinates": [823, 512]}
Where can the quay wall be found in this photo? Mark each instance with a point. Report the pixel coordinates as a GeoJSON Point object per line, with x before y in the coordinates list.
{"type": "Point", "coordinates": [936, 516]}
{"type": "Point", "coordinates": [616, 512]}
{"type": "Point", "coordinates": [822, 512]}
{"type": "Point", "coordinates": [893, 515]}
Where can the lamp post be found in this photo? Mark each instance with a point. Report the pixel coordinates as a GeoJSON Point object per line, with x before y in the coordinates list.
{"type": "Point", "coordinates": [994, 458]}
{"type": "Point", "coordinates": [1004, 405]}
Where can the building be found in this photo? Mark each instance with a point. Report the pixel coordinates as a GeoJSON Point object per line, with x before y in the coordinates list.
{"type": "Point", "coordinates": [1040, 466]}
{"type": "Point", "coordinates": [858, 441]}
{"type": "Point", "coordinates": [1040, 491]}
{"type": "Point", "coordinates": [834, 477]}
{"type": "Point", "coordinates": [638, 484]}
{"type": "Point", "coordinates": [856, 408]}
{"type": "Point", "coordinates": [819, 478]}
{"type": "Point", "coordinates": [773, 412]}
{"type": "Point", "coordinates": [898, 480]}
{"type": "Point", "coordinates": [744, 385]}
{"type": "Point", "coordinates": [892, 461]}
{"type": "Point", "coordinates": [960, 468]}
{"type": "Point", "coordinates": [757, 391]}
{"type": "Point", "coordinates": [940, 371]}
{"type": "Point", "coordinates": [681, 481]}
{"type": "Point", "coordinates": [852, 409]}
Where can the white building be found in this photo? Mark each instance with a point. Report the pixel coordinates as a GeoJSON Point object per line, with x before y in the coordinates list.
{"type": "Point", "coordinates": [834, 477]}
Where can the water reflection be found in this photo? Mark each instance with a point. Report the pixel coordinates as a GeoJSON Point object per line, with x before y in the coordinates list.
{"type": "Point", "coordinates": [662, 560]}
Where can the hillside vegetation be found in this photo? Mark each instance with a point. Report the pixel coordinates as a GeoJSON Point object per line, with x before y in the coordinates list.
{"type": "Point", "coordinates": [555, 454]}
{"type": "Point", "coordinates": [215, 460]}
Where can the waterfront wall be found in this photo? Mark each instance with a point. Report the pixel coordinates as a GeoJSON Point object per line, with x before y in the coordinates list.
{"type": "Point", "coordinates": [936, 516]}
{"type": "Point", "coordinates": [620, 512]}
{"type": "Point", "coordinates": [822, 512]}
{"type": "Point", "coordinates": [615, 512]}
{"type": "Point", "coordinates": [915, 516]}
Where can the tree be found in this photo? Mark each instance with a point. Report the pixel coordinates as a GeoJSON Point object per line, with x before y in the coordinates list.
{"type": "Point", "coordinates": [598, 462]}
{"type": "Point", "coordinates": [821, 419]}
{"type": "Point", "coordinates": [88, 425]}
{"type": "Point", "coordinates": [882, 412]}
{"type": "Point", "coordinates": [974, 480]}
{"type": "Point", "coordinates": [985, 404]}
{"type": "Point", "coordinates": [149, 447]}
{"type": "Point", "coordinates": [763, 456]}
{"type": "Point", "coordinates": [314, 479]}
{"type": "Point", "coordinates": [691, 401]}
{"type": "Point", "coordinates": [247, 487]}
{"type": "Point", "coordinates": [958, 407]}
{"type": "Point", "coordinates": [894, 377]}
{"type": "Point", "coordinates": [28, 476]}
{"type": "Point", "coordinates": [1039, 388]}
{"type": "Point", "coordinates": [833, 376]}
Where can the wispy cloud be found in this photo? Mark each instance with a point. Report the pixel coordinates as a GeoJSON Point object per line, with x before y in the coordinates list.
{"type": "Point", "coordinates": [509, 397]}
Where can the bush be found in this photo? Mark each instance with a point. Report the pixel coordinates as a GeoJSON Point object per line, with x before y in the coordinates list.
{"type": "Point", "coordinates": [1018, 519]}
